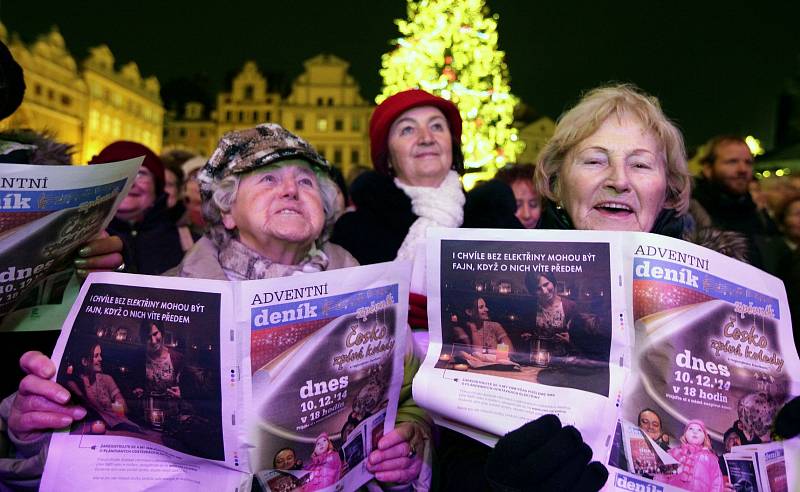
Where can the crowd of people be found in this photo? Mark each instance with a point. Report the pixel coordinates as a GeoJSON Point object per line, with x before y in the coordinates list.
{"type": "Point", "coordinates": [265, 204]}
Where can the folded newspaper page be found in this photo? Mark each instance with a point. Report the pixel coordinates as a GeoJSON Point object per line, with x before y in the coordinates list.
{"type": "Point", "coordinates": [665, 355]}
{"type": "Point", "coordinates": [523, 327]}
{"type": "Point", "coordinates": [46, 213]}
{"type": "Point", "coordinates": [713, 360]}
{"type": "Point", "coordinates": [203, 383]}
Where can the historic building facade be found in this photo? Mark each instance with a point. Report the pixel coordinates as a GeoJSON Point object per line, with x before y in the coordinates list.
{"type": "Point", "coordinates": [324, 107]}
{"type": "Point", "coordinates": [88, 106]}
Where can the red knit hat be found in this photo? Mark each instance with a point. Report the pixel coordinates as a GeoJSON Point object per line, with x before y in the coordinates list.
{"type": "Point", "coordinates": [123, 149]}
{"type": "Point", "coordinates": [397, 104]}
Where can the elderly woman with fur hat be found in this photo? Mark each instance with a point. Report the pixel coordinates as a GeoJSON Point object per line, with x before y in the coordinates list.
{"type": "Point", "coordinates": [269, 200]}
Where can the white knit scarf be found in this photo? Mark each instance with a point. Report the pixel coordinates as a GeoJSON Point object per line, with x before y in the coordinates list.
{"type": "Point", "coordinates": [434, 207]}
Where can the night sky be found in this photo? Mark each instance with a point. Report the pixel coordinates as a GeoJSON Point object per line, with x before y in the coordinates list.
{"type": "Point", "coordinates": [717, 67]}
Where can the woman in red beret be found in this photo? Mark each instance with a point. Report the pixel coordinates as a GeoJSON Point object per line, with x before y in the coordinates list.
{"type": "Point", "coordinates": [151, 240]}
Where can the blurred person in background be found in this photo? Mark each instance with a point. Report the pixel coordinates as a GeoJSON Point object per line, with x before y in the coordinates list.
{"type": "Point", "coordinates": [151, 242]}
{"type": "Point", "coordinates": [520, 178]}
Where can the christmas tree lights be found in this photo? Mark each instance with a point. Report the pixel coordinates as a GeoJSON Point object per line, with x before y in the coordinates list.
{"type": "Point", "coordinates": [450, 49]}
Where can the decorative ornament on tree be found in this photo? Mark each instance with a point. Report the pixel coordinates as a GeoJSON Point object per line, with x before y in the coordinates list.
{"type": "Point", "coordinates": [450, 49]}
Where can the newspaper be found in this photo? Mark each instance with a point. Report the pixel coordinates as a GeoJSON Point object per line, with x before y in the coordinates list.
{"type": "Point", "coordinates": [651, 346]}
{"type": "Point", "coordinates": [201, 383]}
{"type": "Point", "coordinates": [46, 213]}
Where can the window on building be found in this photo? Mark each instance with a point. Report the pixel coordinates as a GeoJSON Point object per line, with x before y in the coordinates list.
{"type": "Point", "coordinates": [249, 90]}
{"type": "Point", "coordinates": [269, 100]}
{"type": "Point", "coordinates": [182, 132]}
{"type": "Point", "coordinates": [321, 151]}
{"type": "Point", "coordinates": [322, 124]}
{"type": "Point", "coordinates": [94, 119]}
{"type": "Point", "coordinates": [255, 117]}
{"type": "Point", "coordinates": [298, 123]}
{"type": "Point", "coordinates": [37, 89]}
{"type": "Point", "coordinates": [228, 116]}
{"type": "Point", "coordinates": [330, 101]}
{"type": "Point", "coordinates": [202, 133]}
{"type": "Point", "coordinates": [50, 94]}
{"type": "Point", "coordinates": [337, 155]}
{"type": "Point", "coordinates": [66, 100]}
{"type": "Point", "coordinates": [241, 116]}
{"type": "Point", "coordinates": [319, 101]}
{"type": "Point", "coordinates": [267, 116]}
{"type": "Point", "coordinates": [338, 125]}
{"type": "Point", "coordinates": [355, 124]}
{"type": "Point", "coordinates": [355, 156]}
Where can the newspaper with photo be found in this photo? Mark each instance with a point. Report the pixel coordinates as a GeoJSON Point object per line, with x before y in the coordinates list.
{"type": "Point", "coordinates": [46, 213]}
{"type": "Point", "coordinates": [191, 382]}
{"type": "Point", "coordinates": [663, 353]}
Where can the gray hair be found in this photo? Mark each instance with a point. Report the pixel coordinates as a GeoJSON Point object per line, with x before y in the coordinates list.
{"type": "Point", "coordinates": [223, 195]}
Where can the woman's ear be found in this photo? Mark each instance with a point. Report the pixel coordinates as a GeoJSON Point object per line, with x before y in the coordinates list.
{"type": "Point", "coordinates": [228, 221]}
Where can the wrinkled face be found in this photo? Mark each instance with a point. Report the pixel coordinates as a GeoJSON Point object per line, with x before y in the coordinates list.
{"type": "Point", "coordinates": [791, 221]}
{"type": "Point", "coordinates": [615, 179]}
{"type": "Point", "coordinates": [97, 359]}
{"type": "Point", "coordinates": [171, 188]}
{"type": "Point", "coordinates": [141, 197]}
{"type": "Point", "coordinates": [285, 459]}
{"type": "Point", "coordinates": [732, 440]}
{"type": "Point", "coordinates": [733, 167]}
{"type": "Point", "coordinates": [321, 445]}
{"type": "Point", "coordinates": [545, 290]}
{"type": "Point", "coordinates": [277, 206]}
{"type": "Point", "coordinates": [650, 423]}
{"type": "Point", "coordinates": [154, 341]}
{"type": "Point", "coordinates": [420, 147]}
{"type": "Point", "coordinates": [528, 208]}
{"type": "Point", "coordinates": [695, 435]}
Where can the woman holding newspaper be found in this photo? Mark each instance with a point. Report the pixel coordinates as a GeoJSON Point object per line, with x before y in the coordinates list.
{"type": "Point", "coordinates": [269, 201]}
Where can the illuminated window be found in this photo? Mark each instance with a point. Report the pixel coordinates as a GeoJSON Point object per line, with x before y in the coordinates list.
{"type": "Point", "coordinates": [94, 119]}
{"type": "Point", "coordinates": [322, 124]}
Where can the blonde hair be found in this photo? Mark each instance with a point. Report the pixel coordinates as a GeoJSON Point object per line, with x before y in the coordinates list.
{"type": "Point", "coordinates": [584, 119]}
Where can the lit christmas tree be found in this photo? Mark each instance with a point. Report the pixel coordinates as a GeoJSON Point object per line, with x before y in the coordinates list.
{"type": "Point", "coordinates": [450, 49]}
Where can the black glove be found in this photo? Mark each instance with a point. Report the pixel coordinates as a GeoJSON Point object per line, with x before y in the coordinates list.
{"type": "Point", "coordinates": [787, 423]}
{"type": "Point", "coordinates": [542, 456]}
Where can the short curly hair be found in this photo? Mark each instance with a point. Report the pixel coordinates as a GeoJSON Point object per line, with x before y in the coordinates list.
{"type": "Point", "coordinates": [585, 118]}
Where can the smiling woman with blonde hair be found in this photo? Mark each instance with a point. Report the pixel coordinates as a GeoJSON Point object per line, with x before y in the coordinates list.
{"type": "Point", "coordinates": [615, 162]}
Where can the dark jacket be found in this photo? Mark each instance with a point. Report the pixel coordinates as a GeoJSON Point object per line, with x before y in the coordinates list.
{"type": "Point", "coordinates": [151, 246]}
{"type": "Point", "coordinates": [765, 246]}
{"type": "Point", "coordinates": [376, 229]}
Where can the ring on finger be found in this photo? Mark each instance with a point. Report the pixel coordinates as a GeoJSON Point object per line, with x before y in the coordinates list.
{"type": "Point", "coordinates": [412, 453]}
